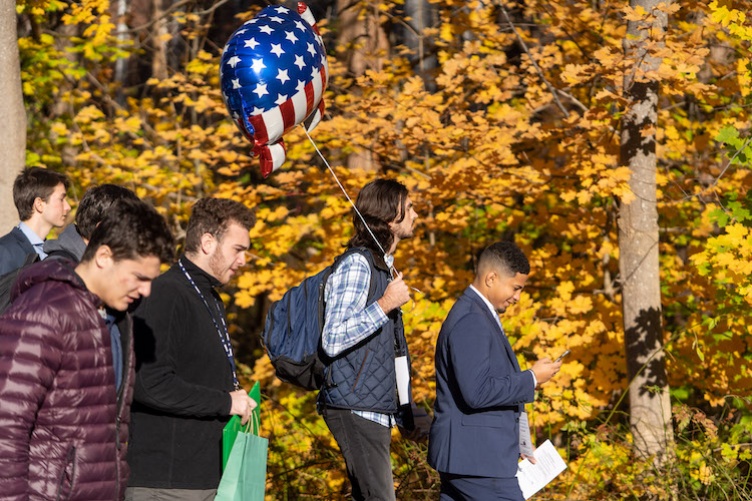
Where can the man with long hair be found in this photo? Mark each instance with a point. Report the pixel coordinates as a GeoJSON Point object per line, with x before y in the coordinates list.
{"type": "Point", "coordinates": [365, 339]}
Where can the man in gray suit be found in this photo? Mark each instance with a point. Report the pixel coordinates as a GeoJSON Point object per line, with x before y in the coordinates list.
{"type": "Point", "coordinates": [40, 198]}
{"type": "Point", "coordinates": [481, 393]}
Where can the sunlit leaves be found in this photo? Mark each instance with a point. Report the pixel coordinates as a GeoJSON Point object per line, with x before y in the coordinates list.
{"type": "Point", "coordinates": [505, 143]}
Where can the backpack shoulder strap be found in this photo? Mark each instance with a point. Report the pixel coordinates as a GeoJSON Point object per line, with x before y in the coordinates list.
{"type": "Point", "coordinates": [331, 269]}
{"type": "Point", "coordinates": [31, 257]}
{"type": "Point", "coordinates": [62, 254]}
{"type": "Point", "coordinates": [366, 253]}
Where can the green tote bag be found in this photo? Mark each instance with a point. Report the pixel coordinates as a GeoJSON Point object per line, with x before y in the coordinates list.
{"type": "Point", "coordinates": [233, 426]}
{"type": "Point", "coordinates": [244, 476]}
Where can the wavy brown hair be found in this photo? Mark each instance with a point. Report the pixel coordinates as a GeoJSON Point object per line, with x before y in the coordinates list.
{"type": "Point", "coordinates": [213, 216]}
{"type": "Point", "coordinates": [380, 202]}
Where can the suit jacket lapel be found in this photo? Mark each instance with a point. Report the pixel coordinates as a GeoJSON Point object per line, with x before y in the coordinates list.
{"type": "Point", "coordinates": [494, 318]}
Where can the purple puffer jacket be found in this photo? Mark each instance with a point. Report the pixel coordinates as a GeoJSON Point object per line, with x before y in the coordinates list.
{"type": "Point", "coordinates": [61, 435]}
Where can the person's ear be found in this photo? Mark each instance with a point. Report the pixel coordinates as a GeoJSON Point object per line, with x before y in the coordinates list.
{"type": "Point", "coordinates": [103, 257]}
{"type": "Point", "coordinates": [208, 244]}
{"type": "Point", "coordinates": [491, 278]}
{"type": "Point", "coordinates": [39, 205]}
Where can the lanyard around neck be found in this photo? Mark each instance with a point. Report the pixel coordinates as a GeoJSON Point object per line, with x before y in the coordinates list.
{"type": "Point", "coordinates": [224, 334]}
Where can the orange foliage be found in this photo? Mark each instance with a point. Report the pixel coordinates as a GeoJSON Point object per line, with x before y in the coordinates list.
{"type": "Point", "coordinates": [511, 143]}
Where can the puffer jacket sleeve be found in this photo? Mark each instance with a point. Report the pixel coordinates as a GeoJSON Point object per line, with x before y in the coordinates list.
{"type": "Point", "coordinates": [30, 354]}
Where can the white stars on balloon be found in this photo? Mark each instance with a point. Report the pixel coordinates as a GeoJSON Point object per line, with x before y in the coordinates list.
{"type": "Point", "coordinates": [271, 61]}
{"type": "Point", "coordinates": [258, 65]}
{"type": "Point", "coordinates": [277, 50]}
{"type": "Point", "coordinates": [299, 62]}
{"type": "Point", "coordinates": [260, 90]}
{"type": "Point", "coordinates": [282, 76]}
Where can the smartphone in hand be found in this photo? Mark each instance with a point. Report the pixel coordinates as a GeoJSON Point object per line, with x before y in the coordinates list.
{"type": "Point", "coordinates": [562, 356]}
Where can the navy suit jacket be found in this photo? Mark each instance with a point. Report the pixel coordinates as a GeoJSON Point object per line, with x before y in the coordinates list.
{"type": "Point", "coordinates": [480, 393]}
{"type": "Point", "coordinates": [14, 247]}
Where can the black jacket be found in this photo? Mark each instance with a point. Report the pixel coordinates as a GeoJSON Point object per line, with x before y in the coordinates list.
{"type": "Point", "coordinates": [183, 380]}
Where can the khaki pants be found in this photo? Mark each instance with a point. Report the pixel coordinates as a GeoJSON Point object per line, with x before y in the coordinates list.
{"type": "Point", "coordinates": [150, 494]}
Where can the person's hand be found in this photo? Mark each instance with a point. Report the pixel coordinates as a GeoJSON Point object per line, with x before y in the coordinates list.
{"type": "Point", "coordinates": [421, 425]}
{"type": "Point", "coordinates": [529, 458]}
{"type": "Point", "coordinates": [242, 405]}
{"type": "Point", "coordinates": [544, 369]}
{"type": "Point", "coordinates": [396, 294]}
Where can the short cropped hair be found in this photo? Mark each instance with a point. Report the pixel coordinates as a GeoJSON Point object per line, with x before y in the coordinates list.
{"type": "Point", "coordinates": [94, 205]}
{"type": "Point", "coordinates": [380, 202]}
{"type": "Point", "coordinates": [33, 183]}
{"type": "Point", "coordinates": [213, 216]}
{"type": "Point", "coordinates": [504, 257]}
{"type": "Point", "coordinates": [132, 229]}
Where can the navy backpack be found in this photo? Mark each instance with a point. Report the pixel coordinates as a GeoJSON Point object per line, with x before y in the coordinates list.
{"type": "Point", "coordinates": [292, 332]}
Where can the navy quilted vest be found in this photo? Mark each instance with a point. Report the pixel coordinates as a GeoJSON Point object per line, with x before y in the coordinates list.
{"type": "Point", "coordinates": [363, 378]}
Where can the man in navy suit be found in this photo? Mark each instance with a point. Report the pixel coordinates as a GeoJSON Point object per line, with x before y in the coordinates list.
{"type": "Point", "coordinates": [40, 198]}
{"type": "Point", "coordinates": [474, 442]}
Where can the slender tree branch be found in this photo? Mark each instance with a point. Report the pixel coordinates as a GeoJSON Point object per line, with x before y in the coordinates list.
{"type": "Point", "coordinates": [169, 11]}
{"type": "Point", "coordinates": [550, 87]}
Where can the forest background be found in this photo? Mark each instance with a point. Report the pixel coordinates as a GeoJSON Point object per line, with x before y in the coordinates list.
{"type": "Point", "coordinates": [605, 138]}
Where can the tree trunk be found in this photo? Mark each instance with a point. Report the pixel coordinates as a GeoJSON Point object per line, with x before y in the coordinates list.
{"type": "Point", "coordinates": [160, 41]}
{"type": "Point", "coordinates": [367, 46]}
{"type": "Point", "coordinates": [650, 407]}
{"type": "Point", "coordinates": [13, 139]}
{"type": "Point", "coordinates": [421, 15]}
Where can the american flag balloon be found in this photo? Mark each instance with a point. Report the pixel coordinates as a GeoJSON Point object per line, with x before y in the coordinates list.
{"type": "Point", "coordinates": [273, 75]}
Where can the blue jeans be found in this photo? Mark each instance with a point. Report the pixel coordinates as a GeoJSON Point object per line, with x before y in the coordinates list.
{"type": "Point", "coordinates": [365, 447]}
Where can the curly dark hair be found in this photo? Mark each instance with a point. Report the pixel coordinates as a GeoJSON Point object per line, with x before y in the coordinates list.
{"type": "Point", "coordinates": [94, 205]}
{"type": "Point", "coordinates": [380, 202]}
{"type": "Point", "coordinates": [213, 216]}
{"type": "Point", "coordinates": [132, 229]}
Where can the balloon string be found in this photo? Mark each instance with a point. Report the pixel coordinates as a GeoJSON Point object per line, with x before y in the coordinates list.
{"type": "Point", "coordinates": [392, 269]}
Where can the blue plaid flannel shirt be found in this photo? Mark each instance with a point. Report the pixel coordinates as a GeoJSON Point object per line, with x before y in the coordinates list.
{"type": "Point", "coordinates": [347, 320]}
